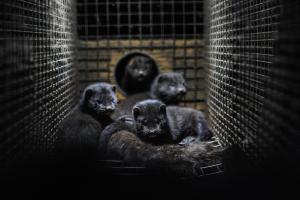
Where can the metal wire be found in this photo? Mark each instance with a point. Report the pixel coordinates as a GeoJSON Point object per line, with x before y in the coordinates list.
{"type": "Point", "coordinates": [136, 18]}
{"type": "Point", "coordinates": [242, 38]}
{"type": "Point", "coordinates": [37, 75]}
{"type": "Point", "coordinates": [280, 130]}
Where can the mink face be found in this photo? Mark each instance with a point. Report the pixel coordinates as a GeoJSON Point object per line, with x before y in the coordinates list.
{"type": "Point", "coordinates": [139, 68]}
{"type": "Point", "coordinates": [169, 88]}
{"type": "Point", "coordinates": [99, 99]}
{"type": "Point", "coordinates": [150, 120]}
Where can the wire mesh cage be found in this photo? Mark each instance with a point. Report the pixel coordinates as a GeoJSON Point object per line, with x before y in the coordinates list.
{"type": "Point", "coordinates": [242, 37]}
{"type": "Point", "coordinates": [170, 31]}
{"type": "Point", "coordinates": [248, 85]}
{"type": "Point", "coordinates": [279, 129]}
{"type": "Point", "coordinates": [252, 54]}
{"type": "Point", "coordinates": [37, 75]}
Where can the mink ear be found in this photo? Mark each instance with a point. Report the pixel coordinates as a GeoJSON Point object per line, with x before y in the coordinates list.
{"type": "Point", "coordinates": [114, 88]}
{"type": "Point", "coordinates": [131, 61]}
{"type": "Point", "coordinates": [136, 111]}
{"type": "Point", "coordinates": [88, 94]}
{"type": "Point", "coordinates": [162, 109]}
{"type": "Point", "coordinates": [160, 79]}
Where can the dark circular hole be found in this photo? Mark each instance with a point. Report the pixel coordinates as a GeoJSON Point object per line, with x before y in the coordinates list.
{"type": "Point", "coordinates": [132, 87]}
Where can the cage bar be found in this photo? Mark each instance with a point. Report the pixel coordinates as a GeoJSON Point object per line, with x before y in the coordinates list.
{"type": "Point", "coordinates": [242, 45]}
{"type": "Point", "coordinates": [37, 75]}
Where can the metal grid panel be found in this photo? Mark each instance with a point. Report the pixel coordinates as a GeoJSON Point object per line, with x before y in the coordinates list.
{"type": "Point", "coordinates": [280, 128]}
{"type": "Point", "coordinates": [242, 37]}
{"type": "Point", "coordinates": [37, 75]}
{"type": "Point", "coordinates": [138, 18]}
{"type": "Point", "coordinates": [170, 31]}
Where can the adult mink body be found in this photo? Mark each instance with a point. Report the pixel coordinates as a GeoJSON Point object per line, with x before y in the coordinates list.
{"type": "Point", "coordinates": [80, 131]}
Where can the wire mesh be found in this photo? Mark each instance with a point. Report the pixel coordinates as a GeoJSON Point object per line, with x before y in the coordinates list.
{"type": "Point", "coordinates": [37, 75]}
{"type": "Point", "coordinates": [279, 130]}
{"type": "Point", "coordinates": [242, 39]}
{"type": "Point", "coordinates": [170, 31]}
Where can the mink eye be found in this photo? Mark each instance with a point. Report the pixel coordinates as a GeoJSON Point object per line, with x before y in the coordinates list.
{"type": "Point", "coordinates": [145, 121]}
